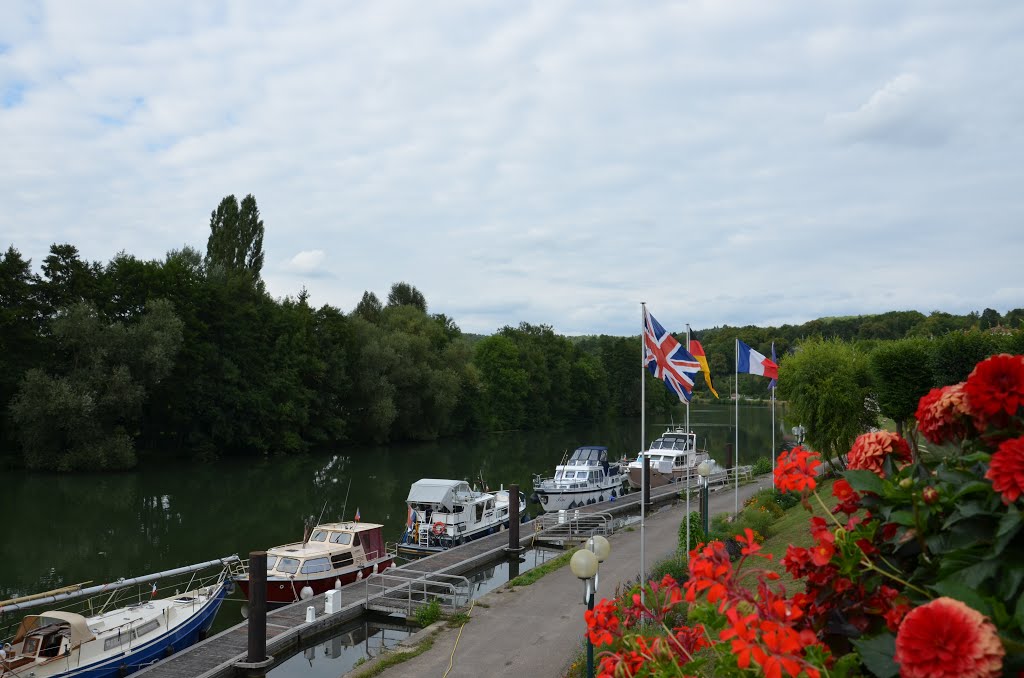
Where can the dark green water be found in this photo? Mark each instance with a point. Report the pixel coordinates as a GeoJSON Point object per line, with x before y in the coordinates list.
{"type": "Point", "coordinates": [60, 530]}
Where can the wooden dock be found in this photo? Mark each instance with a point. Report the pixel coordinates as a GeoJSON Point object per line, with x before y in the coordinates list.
{"type": "Point", "coordinates": [288, 631]}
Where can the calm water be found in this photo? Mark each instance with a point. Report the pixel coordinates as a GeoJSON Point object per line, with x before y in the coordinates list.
{"type": "Point", "coordinates": [61, 530]}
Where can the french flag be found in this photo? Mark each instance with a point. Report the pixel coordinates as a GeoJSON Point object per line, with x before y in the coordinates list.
{"type": "Point", "coordinates": [752, 362]}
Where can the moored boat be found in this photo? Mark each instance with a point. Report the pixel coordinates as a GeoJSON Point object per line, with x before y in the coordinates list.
{"type": "Point", "coordinates": [674, 459]}
{"type": "Point", "coordinates": [587, 477]}
{"type": "Point", "coordinates": [117, 637]}
{"type": "Point", "coordinates": [331, 556]}
{"type": "Point", "coordinates": [447, 513]}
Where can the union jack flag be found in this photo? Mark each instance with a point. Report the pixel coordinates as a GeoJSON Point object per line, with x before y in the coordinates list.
{"type": "Point", "coordinates": [667, 360]}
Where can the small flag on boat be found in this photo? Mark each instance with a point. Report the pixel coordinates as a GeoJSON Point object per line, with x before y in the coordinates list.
{"type": "Point", "coordinates": [152, 593]}
{"type": "Point", "coordinates": [357, 514]}
{"type": "Point", "coordinates": [410, 520]}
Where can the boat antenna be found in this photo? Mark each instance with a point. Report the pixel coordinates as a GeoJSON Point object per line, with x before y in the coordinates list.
{"type": "Point", "coordinates": [345, 505]}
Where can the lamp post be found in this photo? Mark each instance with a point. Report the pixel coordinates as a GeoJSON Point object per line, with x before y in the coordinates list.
{"type": "Point", "coordinates": [704, 470]}
{"type": "Point", "coordinates": [585, 564]}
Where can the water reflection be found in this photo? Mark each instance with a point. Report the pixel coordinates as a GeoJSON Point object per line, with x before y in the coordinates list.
{"type": "Point", "coordinates": [357, 643]}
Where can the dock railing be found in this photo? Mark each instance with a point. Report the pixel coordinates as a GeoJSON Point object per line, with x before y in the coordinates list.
{"type": "Point", "coordinates": [405, 590]}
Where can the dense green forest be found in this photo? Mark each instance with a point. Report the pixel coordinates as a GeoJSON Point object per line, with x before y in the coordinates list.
{"type": "Point", "coordinates": [190, 357]}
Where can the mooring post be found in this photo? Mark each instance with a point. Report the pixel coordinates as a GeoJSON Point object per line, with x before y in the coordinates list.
{"type": "Point", "coordinates": [647, 481]}
{"type": "Point", "coordinates": [257, 607]}
{"type": "Point", "coordinates": [513, 518]}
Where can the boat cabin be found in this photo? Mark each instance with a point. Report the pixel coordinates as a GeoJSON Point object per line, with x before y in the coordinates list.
{"type": "Point", "coordinates": [52, 634]}
{"type": "Point", "coordinates": [331, 546]}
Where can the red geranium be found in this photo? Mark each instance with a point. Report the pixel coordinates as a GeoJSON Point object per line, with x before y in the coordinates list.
{"type": "Point", "coordinates": [995, 390]}
{"type": "Point", "coordinates": [796, 470]}
{"type": "Point", "coordinates": [849, 500]}
{"type": "Point", "coordinates": [1007, 470]}
{"type": "Point", "coordinates": [947, 639]}
{"type": "Point", "coordinates": [941, 414]}
{"type": "Point", "coordinates": [870, 450]}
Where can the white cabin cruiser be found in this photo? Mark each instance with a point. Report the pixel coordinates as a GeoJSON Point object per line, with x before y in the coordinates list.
{"type": "Point", "coordinates": [674, 459]}
{"type": "Point", "coordinates": [586, 478]}
{"type": "Point", "coordinates": [447, 513]}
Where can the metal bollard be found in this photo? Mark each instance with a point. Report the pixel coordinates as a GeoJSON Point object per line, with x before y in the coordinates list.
{"type": "Point", "coordinates": [257, 607]}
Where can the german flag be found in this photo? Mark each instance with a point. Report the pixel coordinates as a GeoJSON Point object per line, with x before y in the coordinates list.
{"type": "Point", "coordinates": [698, 352]}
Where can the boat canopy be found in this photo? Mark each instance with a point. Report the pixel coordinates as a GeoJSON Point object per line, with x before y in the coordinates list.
{"type": "Point", "coordinates": [591, 453]}
{"type": "Point", "coordinates": [444, 493]}
{"type": "Point", "coordinates": [80, 632]}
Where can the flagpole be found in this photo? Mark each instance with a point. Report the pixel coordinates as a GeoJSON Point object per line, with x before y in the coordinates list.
{"type": "Point", "coordinates": [643, 442]}
{"type": "Point", "coordinates": [689, 461]}
{"type": "Point", "coordinates": [773, 437]}
{"type": "Point", "coordinates": [736, 449]}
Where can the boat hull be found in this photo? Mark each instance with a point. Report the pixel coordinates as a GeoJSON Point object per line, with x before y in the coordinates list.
{"type": "Point", "coordinates": [125, 663]}
{"type": "Point", "coordinates": [560, 500]}
{"type": "Point", "coordinates": [283, 592]}
{"type": "Point", "coordinates": [660, 478]}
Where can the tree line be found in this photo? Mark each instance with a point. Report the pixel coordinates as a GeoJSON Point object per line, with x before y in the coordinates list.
{"type": "Point", "coordinates": [189, 356]}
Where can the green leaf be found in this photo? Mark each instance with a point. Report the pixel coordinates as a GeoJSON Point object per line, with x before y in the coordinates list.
{"type": "Point", "coordinates": [1009, 526]}
{"type": "Point", "coordinates": [974, 487]}
{"type": "Point", "coordinates": [864, 481]}
{"type": "Point", "coordinates": [877, 654]}
{"type": "Point", "coordinates": [902, 518]}
{"type": "Point", "coordinates": [979, 572]}
{"type": "Point", "coordinates": [953, 587]}
{"type": "Point", "coordinates": [1010, 582]}
{"type": "Point", "coordinates": [1018, 614]}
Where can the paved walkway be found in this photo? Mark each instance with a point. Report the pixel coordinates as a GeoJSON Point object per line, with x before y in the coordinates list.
{"type": "Point", "coordinates": [534, 631]}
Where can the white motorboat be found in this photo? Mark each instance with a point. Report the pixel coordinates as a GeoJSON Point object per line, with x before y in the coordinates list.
{"type": "Point", "coordinates": [447, 513]}
{"type": "Point", "coordinates": [587, 477]}
{"type": "Point", "coordinates": [674, 459]}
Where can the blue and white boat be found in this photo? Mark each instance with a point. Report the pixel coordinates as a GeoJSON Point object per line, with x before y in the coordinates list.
{"type": "Point", "coordinates": [118, 638]}
{"type": "Point", "coordinates": [447, 513]}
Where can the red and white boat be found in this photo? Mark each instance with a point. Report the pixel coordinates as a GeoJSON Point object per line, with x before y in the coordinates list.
{"type": "Point", "coordinates": [334, 554]}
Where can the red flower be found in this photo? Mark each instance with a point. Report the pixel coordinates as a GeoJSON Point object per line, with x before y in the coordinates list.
{"type": "Point", "coordinates": [947, 639]}
{"type": "Point", "coordinates": [796, 470]}
{"type": "Point", "coordinates": [821, 553]}
{"type": "Point", "coordinates": [1006, 470]}
{"type": "Point", "coordinates": [942, 414]}
{"type": "Point", "coordinates": [930, 495]}
{"type": "Point", "coordinates": [995, 390]}
{"type": "Point", "coordinates": [849, 500]}
{"type": "Point", "coordinates": [870, 450]}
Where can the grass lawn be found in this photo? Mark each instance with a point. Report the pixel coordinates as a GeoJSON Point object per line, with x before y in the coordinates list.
{"type": "Point", "coordinates": [792, 528]}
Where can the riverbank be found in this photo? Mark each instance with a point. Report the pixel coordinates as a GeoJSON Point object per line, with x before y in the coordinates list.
{"type": "Point", "coordinates": [536, 630]}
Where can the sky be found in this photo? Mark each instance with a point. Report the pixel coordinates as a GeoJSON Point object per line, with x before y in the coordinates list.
{"type": "Point", "coordinates": [727, 162]}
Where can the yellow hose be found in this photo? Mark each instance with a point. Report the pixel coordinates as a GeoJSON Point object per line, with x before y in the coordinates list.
{"type": "Point", "coordinates": [451, 661]}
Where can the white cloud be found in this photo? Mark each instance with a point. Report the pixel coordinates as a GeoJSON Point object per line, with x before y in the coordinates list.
{"type": "Point", "coordinates": [309, 261]}
{"type": "Point", "coordinates": [546, 162]}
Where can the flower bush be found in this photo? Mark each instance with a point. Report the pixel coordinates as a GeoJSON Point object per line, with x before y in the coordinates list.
{"type": "Point", "coordinates": [917, 571]}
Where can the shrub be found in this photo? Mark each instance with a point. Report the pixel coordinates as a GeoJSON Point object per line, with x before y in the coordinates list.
{"type": "Point", "coordinates": [786, 500]}
{"type": "Point", "coordinates": [675, 566]}
{"type": "Point", "coordinates": [429, 613]}
{"type": "Point", "coordinates": [762, 466]}
{"type": "Point", "coordinates": [697, 535]}
{"type": "Point", "coordinates": [765, 501]}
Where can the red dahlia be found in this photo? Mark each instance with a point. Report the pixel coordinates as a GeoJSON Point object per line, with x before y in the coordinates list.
{"type": "Point", "coordinates": [1006, 470]}
{"type": "Point", "coordinates": [995, 390]}
{"type": "Point", "coordinates": [870, 450]}
{"type": "Point", "coordinates": [947, 639]}
{"type": "Point", "coordinates": [942, 414]}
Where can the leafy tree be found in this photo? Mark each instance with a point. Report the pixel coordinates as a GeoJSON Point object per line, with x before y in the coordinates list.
{"type": "Point", "coordinates": [85, 416]}
{"type": "Point", "coordinates": [827, 384]}
{"type": "Point", "coordinates": [989, 318]}
{"type": "Point", "coordinates": [67, 279]}
{"type": "Point", "coordinates": [235, 244]}
{"type": "Point", "coordinates": [506, 384]}
{"type": "Point", "coordinates": [901, 374]}
{"type": "Point", "coordinates": [404, 294]}
{"type": "Point", "coordinates": [22, 345]}
{"type": "Point", "coordinates": [955, 355]}
{"type": "Point", "coordinates": [369, 308]}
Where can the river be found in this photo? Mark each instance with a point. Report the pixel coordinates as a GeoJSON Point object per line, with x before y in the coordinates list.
{"type": "Point", "coordinates": [61, 530]}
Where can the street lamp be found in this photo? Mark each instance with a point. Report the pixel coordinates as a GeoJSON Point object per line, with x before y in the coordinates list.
{"type": "Point", "coordinates": [585, 564]}
{"type": "Point", "coordinates": [704, 470]}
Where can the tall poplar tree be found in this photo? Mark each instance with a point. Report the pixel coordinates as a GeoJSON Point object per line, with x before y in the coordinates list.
{"type": "Point", "coordinates": [236, 238]}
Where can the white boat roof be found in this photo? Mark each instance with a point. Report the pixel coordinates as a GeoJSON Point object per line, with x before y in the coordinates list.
{"type": "Point", "coordinates": [441, 492]}
{"type": "Point", "coordinates": [80, 632]}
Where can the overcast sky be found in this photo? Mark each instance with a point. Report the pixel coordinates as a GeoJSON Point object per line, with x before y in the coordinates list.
{"type": "Point", "coordinates": [551, 162]}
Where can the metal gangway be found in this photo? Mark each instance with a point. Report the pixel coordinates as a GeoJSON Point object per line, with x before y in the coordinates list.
{"type": "Point", "coordinates": [403, 590]}
{"type": "Point", "coordinates": [571, 525]}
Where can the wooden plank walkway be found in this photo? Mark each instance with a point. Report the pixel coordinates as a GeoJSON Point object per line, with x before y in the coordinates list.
{"type": "Point", "coordinates": [287, 629]}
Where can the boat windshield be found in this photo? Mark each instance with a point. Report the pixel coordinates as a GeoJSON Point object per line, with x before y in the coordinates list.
{"type": "Point", "coordinates": [319, 535]}
{"type": "Point", "coordinates": [288, 565]}
{"type": "Point", "coordinates": [341, 538]}
{"type": "Point", "coordinates": [270, 562]}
